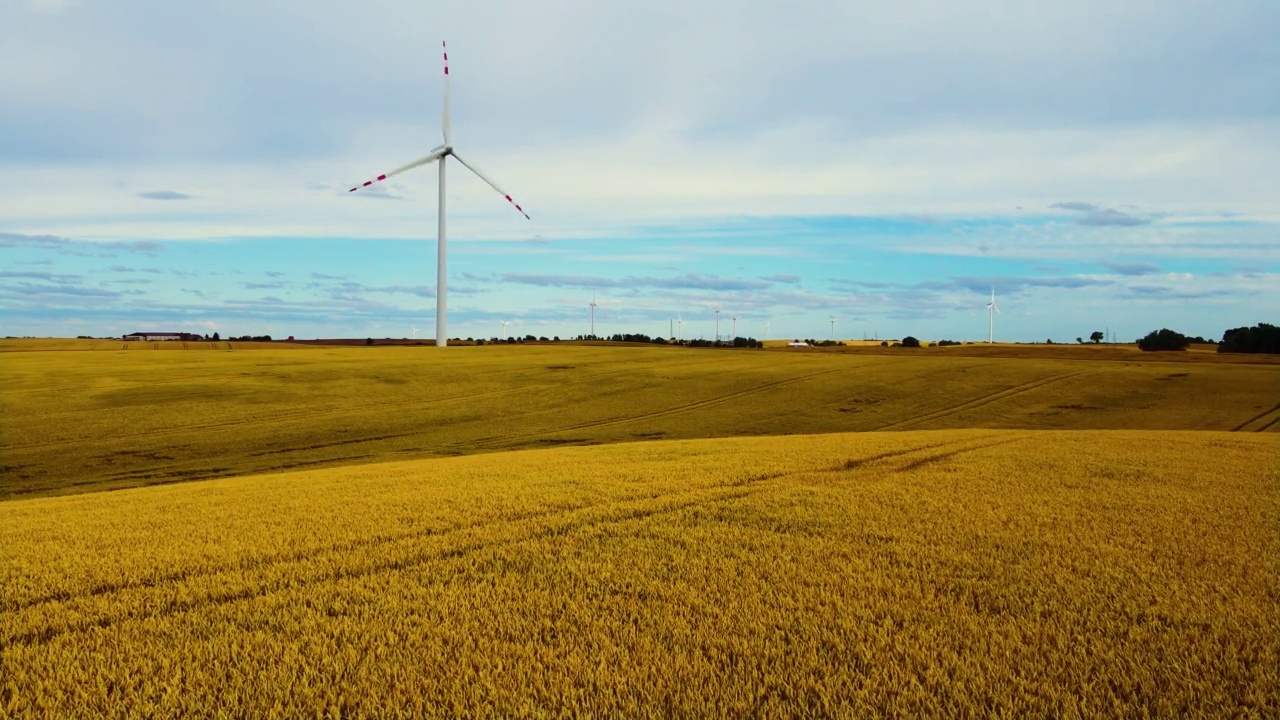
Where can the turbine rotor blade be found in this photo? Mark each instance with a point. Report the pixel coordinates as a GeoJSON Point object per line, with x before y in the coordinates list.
{"type": "Point", "coordinates": [435, 155]}
{"type": "Point", "coordinates": [492, 184]}
{"type": "Point", "coordinates": [444, 121]}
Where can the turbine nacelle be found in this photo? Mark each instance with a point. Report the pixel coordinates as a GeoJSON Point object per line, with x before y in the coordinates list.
{"type": "Point", "coordinates": [440, 153]}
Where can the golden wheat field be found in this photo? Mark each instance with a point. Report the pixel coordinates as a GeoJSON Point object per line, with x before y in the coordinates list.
{"type": "Point", "coordinates": [546, 531]}
{"type": "Point", "coordinates": [77, 421]}
{"type": "Point", "coordinates": [941, 573]}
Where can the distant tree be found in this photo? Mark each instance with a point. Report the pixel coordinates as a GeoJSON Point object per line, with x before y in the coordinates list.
{"type": "Point", "coordinates": [1097, 336]}
{"type": "Point", "coordinates": [1164, 339]}
{"type": "Point", "coordinates": [884, 343]}
{"type": "Point", "coordinates": [368, 341]}
{"type": "Point", "coordinates": [910, 341]}
{"type": "Point", "coordinates": [555, 339]}
{"type": "Point", "coordinates": [1261, 338]}
{"type": "Point", "coordinates": [216, 337]}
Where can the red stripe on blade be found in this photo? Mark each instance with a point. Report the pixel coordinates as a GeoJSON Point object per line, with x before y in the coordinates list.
{"type": "Point", "coordinates": [367, 184]}
{"type": "Point", "coordinates": [382, 177]}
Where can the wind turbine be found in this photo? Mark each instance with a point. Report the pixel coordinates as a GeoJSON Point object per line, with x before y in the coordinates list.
{"type": "Point", "coordinates": [679, 327]}
{"type": "Point", "coordinates": [505, 323]}
{"type": "Point", "coordinates": [990, 317]}
{"type": "Point", "coordinates": [832, 318]}
{"type": "Point", "coordinates": [735, 327]}
{"type": "Point", "coordinates": [415, 332]}
{"type": "Point", "coordinates": [593, 313]}
{"type": "Point", "coordinates": [717, 326]}
{"type": "Point", "coordinates": [440, 154]}
{"type": "Point", "coordinates": [766, 331]}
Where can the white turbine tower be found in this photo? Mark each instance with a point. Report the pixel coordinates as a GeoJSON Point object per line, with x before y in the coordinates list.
{"type": "Point", "coordinates": [735, 327]}
{"type": "Point", "coordinates": [415, 332]}
{"type": "Point", "coordinates": [991, 306]}
{"type": "Point", "coordinates": [593, 313]}
{"type": "Point", "coordinates": [717, 326]}
{"type": "Point", "coordinates": [505, 323]}
{"type": "Point", "coordinates": [441, 154]}
{"type": "Point", "coordinates": [832, 318]}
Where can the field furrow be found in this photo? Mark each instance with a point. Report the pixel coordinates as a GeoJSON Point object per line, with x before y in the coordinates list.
{"type": "Point", "coordinates": [980, 402]}
{"type": "Point", "coordinates": [1260, 422]}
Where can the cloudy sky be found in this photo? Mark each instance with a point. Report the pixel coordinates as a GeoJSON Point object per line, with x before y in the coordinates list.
{"type": "Point", "coordinates": [184, 166]}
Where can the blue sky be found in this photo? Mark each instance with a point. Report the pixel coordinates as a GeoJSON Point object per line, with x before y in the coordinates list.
{"type": "Point", "coordinates": [185, 167]}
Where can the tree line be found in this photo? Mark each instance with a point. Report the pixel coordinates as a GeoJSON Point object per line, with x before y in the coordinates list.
{"type": "Point", "coordinates": [1260, 338]}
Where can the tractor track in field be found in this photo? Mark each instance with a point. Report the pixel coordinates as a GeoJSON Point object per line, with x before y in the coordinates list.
{"type": "Point", "coordinates": [498, 442]}
{"type": "Point", "coordinates": [983, 401]}
{"type": "Point", "coordinates": [1261, 422]}
{"type": "Point", "coordinates": [166, 600]}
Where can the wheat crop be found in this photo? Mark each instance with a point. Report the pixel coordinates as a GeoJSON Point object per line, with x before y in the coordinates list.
{"type": "Point", "coordinates": [943, 573]}
{"type": "Point", "coordinates": [82, 421]}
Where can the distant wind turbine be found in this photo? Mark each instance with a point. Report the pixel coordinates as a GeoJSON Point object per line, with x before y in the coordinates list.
{"type": "Point", "coordinates": [593, 312]}
{"type": "Point", "coordinates": [440, 154]}
{"type": "Point", "coordinates": [717, 325]}
{"type": "Point", "coordinates": [679, 327]}
{"type": "Point", "coordinates": [766, 331]}
{"type": "Point", "coordinates": [991, 306]}
{"type": "Point", "coordinates": [415, 332]}
{"type": "Point", "coordinates": [832, 318]}
{"type": "Point", "coordinates": [505, 323]}
{"type": "Point", "coordinates": [735, 327]}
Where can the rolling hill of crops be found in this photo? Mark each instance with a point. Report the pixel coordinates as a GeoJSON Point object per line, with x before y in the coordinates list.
{"type": "Point", "coordinates": [942, 573]}
{"type": "Point", "coordinates": [550, 530]}
{"type": "Point", "coordinates": [82, 421]}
